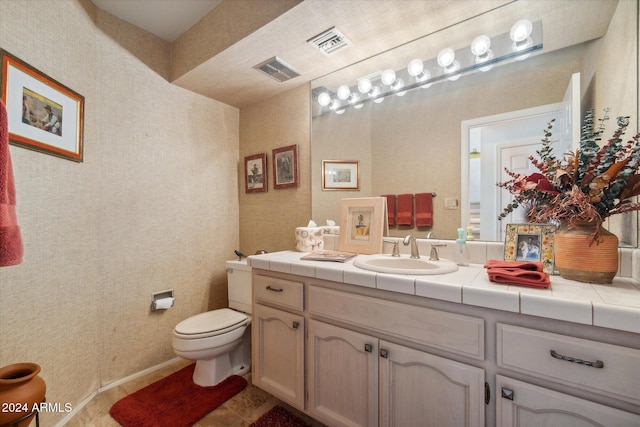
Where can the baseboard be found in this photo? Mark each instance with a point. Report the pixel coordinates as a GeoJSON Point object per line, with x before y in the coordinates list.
{"type": "Point", "coordinates": [111, 385]}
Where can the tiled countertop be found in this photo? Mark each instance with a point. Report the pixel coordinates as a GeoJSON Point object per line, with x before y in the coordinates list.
{"type": "Point", "coordinates": [615, 306]}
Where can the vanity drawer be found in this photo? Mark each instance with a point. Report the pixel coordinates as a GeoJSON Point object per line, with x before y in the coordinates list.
{"type": "Point", "coordinates": [588, 365]}
{"type": "Point", "coordinates": [285, 293]}
{"type": "Point", "coordinates": [456, 333]}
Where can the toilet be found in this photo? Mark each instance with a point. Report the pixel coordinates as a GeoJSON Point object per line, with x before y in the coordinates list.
{"type": "Point", "coordinates": [220, 340]}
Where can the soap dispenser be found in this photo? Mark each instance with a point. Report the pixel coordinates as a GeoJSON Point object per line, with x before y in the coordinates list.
{"type": "Point", "coordinates": [462, 252]}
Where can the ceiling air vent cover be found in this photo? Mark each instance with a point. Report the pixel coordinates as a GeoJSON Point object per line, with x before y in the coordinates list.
{"type": "Point", "coordinates": [330, 41]}
{"type": "Point", "coordinates": [277, 69]}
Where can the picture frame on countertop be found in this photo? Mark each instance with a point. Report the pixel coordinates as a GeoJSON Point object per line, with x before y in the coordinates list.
{"type": "Point", "coordinates": [340, 175]}
{"type": "Point", "coordinates": [530, 242]}
{"type": "Point", "coordinates": [362, 225]}
{"type": "Point", "coordinates": [255, 173]}
{"type": "Point", "coordinates": [285, 167]}
{"type": "Point", "coordinates": [43, 114]}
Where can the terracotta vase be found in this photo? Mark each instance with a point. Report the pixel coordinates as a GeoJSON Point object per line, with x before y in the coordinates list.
{"type": "Point", "coordinates": [20, 389]}
{"type": "Point", "coordinates": [578, 257]}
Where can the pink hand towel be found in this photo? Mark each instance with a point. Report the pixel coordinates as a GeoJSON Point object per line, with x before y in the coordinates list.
{"type": "Point", "coordinates": [523, 265]}
{"type": "Point", "coordinates": [391, 208]}
{"type": "Point", "coordinates": [10, 240]}
{"type": "Point", "coordinates": [424, 210]}
{"type": "Point", "coordinates": [519, 276]}
{"type": "Point", "coordinates": [405, 210]}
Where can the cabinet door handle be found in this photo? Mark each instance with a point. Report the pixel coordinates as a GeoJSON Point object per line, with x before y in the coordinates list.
{"type": "Point", "coordinates": [295, 325]}
{"type": "Point", "coordinates": [271, 288]}
{"type": "Point", "coordinates": [507, 393]}
{"type": "Point", "coordinates": [597, 364]}
{"type": "Point", "coordinates": [368, 348]}
{"type": "Point", "coordinates": [384, 353]}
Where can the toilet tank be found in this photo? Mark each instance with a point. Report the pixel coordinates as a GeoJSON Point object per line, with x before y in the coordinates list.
{"type": "Point", "coordinates": [239, 285]}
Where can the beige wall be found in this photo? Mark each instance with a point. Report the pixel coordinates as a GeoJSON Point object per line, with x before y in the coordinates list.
{"type": "Point", "coordinates": [268, 220]}
{"type": "Point", "coordinates": [153, 206]}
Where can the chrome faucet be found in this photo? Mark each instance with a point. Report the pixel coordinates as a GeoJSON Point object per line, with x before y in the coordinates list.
{"type": "Point", "coordinates": [414, 246]}
{"type": "Point", "coordinates": [431, 235]}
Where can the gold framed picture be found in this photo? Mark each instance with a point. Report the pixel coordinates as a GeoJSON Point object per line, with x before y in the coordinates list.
{"type": "Point", "coordinates": [362, 225]}
{"type": "Point", "coordinates": [530, 242]}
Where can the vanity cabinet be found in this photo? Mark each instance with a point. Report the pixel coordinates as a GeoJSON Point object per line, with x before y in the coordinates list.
{"type": "Point", "coordinates": [277, 340]}
{"type": "Point", "coordinates": [520, 404]}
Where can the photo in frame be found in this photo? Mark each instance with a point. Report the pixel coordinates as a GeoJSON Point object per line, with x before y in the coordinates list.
{"type": "Point", "coordinates": [255, 173]}
{"type": "Point", "coordinates": [340, 175]}
{"type": "Point", "coordinates": [530, 242]}
{"type": "Point", "coordinates": [362, 225]}
{"type": "Point", "coordinates": [285, 167]}
{"type": "Point", "coordinates": [43, 114]}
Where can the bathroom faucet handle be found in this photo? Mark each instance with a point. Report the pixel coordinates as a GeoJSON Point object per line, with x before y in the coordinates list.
{"type": "Point", "coordinates": [395, 251]}
{"type": "Point", "coordinates": [433, 255]}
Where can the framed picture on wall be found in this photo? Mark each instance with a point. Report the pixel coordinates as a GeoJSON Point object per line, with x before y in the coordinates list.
{"type": "Point", "coordinates": [340, 175]}
{"type": "Point", "coordinates": [43, 114]}
{"type": "Point", "coordinates": [285, 167]}
{"type": "Point", "coordinates": [362, 225]}
{"type": "Point", "coordinates": [255, 173]}
{"type": "Point", "coordinates": [530, 242]}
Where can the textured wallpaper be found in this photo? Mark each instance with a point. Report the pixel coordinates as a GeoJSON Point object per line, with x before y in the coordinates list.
{"type": "Point", "coordinates": [153, 206]}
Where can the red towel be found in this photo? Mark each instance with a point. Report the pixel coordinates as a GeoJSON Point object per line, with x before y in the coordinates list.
{"type": "Point", "coordinates": [424, 209]}
{"type": "Point", "coordinates": [524, 265]}
{"type": "Point", "coordinates": [391, 208]}
{"type": "Point", "coordinates": [10, 240]}
{"type": "Point", "coordinates": [404, 215]}
{"type": "Point", "coordinates": [518, 273]}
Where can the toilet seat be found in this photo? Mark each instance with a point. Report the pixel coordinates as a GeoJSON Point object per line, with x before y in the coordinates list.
{"type": "Point", "coordinates": [210, 323]}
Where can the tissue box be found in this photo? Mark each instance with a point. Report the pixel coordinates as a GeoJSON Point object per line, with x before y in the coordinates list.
{"type": "Point", "coordinates": [331, 229]}
{"type": "Point", "coordinates": [309, 239]}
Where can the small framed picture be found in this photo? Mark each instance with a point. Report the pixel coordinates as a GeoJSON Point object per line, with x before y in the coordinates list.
{"type": "Point", "coordinates": [255, 173]}
{"type": "Point", "coordinates": [285, 167]}
{"type": "Point", "coordinates": [362, 225]}
{"type": "Point", "coordinates": [530, 242]}
{"type": "Point", "coordinates": [340, 175]}
{"type": "Point", "coordinates": [43, 114]}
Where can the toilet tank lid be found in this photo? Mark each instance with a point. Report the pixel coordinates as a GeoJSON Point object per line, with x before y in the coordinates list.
{"type": "Point", "coordinates": [238, 265]}
{"type": "Point", "coordinates": [210, 321]}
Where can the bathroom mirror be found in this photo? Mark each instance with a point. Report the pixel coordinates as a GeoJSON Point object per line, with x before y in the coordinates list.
{"type": "Point", "coordinates": [412, 143]}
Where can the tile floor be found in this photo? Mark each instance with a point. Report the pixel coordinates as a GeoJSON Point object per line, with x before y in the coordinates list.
{"type": "Point", "coordinates": [239, 411]}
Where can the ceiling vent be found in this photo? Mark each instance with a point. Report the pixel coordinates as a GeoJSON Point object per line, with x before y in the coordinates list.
{"type": "Point", "coordinates": [277, 69]}
{"type": "Point", "coordinates": [329, 42]}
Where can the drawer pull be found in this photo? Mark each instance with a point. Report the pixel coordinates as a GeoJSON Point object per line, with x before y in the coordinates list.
{"type": "Point", "coordinates": [368, 348]}
{"type": "Point", "coordinates": [295, 325]}
{"type": "Point", "coordinates": [507, 393]}
{"type": "Point", "coordinates": [271, 288]}
{"type": "Point", "coordinates": [597, 364]}
{"type": "Point", "coordinates": [384, 353]}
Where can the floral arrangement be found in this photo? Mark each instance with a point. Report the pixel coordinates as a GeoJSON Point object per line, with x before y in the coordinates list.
{"type": "Point", "coordinates": [586, 186]}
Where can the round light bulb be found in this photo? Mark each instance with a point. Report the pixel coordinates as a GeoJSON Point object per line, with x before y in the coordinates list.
{"type": "Point", "coordinates": [324, 99]}
{"type": "Point", "coordinates": [415, 67]}
{"type": "Point", "coordinates": [344, 92]}
{"type": "Point", "coordinates": [521, 30]}
{"type": "Point", "coordinates": [446, 57]}
{"type": "Point", "coordinates": [480, 45]}
{"type": "Point", "coordinates": [388, 77]}
{"type": "Point", "coordinates": [364, 85]}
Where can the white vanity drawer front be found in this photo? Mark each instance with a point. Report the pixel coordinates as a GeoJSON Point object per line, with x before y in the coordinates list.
{"type": "Point", "coordinates": [585, 364]}
{"type": "Point", "coordinates": [452, 332]}
{"type": "Point", "coordinates": [285, 293]}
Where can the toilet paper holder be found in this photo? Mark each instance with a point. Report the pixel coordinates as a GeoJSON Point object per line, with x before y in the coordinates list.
{"type": "Point", "coordinates": [161, 300]}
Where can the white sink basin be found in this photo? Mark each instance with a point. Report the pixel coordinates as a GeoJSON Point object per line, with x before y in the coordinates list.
{"type": "Point", "coordinates": [403, 265]}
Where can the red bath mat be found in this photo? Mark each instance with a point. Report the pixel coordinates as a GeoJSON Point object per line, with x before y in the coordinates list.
{"type": "Point", "coordinates": [279, 417]}
{"type": "Point", "coordinates": [174, 401]}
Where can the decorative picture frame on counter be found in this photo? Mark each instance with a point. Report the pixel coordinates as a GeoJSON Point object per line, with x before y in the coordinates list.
{"type": "Point", "coordinates": [255, 173]}
{"type": "Point", "coordinates": [285, 167]}
{"type": "Point", "coordinates": [340, 175]}
{"type": "Point", "coordinates": [362, 225]}
{"type": "Point", "coordinates": [44, 115]}
{"type": "Point", "coordinates": [530, 242]}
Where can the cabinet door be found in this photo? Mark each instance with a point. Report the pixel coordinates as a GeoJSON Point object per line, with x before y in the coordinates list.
{"type": "Point", "coordinates": [420, 389]}
{"type": "Point", "coordinates": [342, 375]}
{"type": "Point", "coordinates": [523, 404]}
{"type": "Point", "coordinates": [277, 344]}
